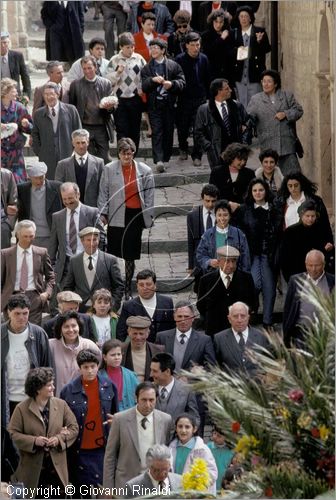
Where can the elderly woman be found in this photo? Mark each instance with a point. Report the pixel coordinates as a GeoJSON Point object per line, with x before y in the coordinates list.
{"type": "Point", "coordinates": [126, 201]}
{"type": "Point", "coordinates": [274, 113]}
{"type": "Point", "coordinates": [15, 122]}
{"type": "Point", "coordinates": [251, 46]}
{"type": "Point", "coordinates": [66, 345]}
{"type": "Point", "coordinates": [104, 320]}
{"type": "Point", "coordinates": [42, 428]}
{"type": "Point", "coordinates": [269, 172]}
{"type": "Point", "coordinates": [222, 234]}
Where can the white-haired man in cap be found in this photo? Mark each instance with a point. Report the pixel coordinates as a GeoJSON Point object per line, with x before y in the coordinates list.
{"type": "Point", "coordinates": [138, 353]}
{"type": "Point", "coordinates": [232, 344]}
{"type": "Point", "coordinates": [38, 199]}
{"type": "Point", "coordinates": [221, 288]}
{"type": "Point", "coordinates": [13, 65]}
{"type": "Point", "coordinates": [70, 301]}
{"type": "Point", "coordinates": [93, 269]}
{"type": "Point", "coordinates": [26, 268]}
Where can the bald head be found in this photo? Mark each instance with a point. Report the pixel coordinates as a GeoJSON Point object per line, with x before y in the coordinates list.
{"type": "Point", "coordinates": [315, 262]}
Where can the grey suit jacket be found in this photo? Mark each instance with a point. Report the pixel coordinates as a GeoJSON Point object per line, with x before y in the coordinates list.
{"type": "Point", "coordinates": [65, 172]}
{"type": "Point", "coordinates": [181, 399]}
{"type": "Point", "coordinates": [38, 95]}
{"type": "Point", "coordinates": [88, 216]}
{"type": "Point", "coordinates": [107, 276]}
{"type": "Point", "coordinates": [9, 193]}
{"type": "Point", "coordinates": [142, 485]}
{"type": "Point", "coordinates": [122, 454]}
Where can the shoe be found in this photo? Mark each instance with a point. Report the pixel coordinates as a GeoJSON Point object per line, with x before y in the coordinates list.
{"type": "Point", "coordinates": [160, 167]}
{"type": "Point", "coordinates": [197, 162]}
{"type": "Point", "coordinates": [183, 155]}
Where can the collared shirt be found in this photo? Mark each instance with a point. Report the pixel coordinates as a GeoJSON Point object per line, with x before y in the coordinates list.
{"type": "Point", "coordinates": [167, 387]}
{"type": "Point", "coordinates": [67, 229]}
{"type": "Point", "coordinates": [5, 70]}
{"type": "Point", "coordinates": [247, 32]}
{"type": "Point", "coordinates": [205, 217]}
{"type": "Point", "coordinates": [149, 305]}
{"type": "Point", "coordinates": [222, 231]}
{"type": "Point", "coordinates": [19, 260]}
{"type": "Point", "coordinates": [86, 259]}
{"type": "Point", "coordinates": [146, 436]}
{"type": "Point", "coordinates": [156, 483]}
{"type": "Point", "coordinates": [224, 276]}
{"type": "Point", "coordinates": [265, 206]}
{"type": "Point", "coordinates": [219, 107]}
{"type": "Point", "coordinates": [291, 215]}
{"type": "Point", "coordinates": [56, 108]}
{"type": "Point", "coordinates": [316, 282]}
{"type": "Point", "coordinates": [78, 157]}
{"type": "Point", "coordinates": [39, 189]}
{"type": "Point", "coordinates": [187, 335]}
{"type": "Point", "coordinates": [237, 337]}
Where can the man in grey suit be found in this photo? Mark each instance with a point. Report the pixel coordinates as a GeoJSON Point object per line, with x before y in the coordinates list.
{"type": "Point", "coordinates": [93, 269]}
{"type": "Point", "coordinates": [53, 125]}
{"type": "Point", "coordinates": [82, 167]}
{"type": "Point", "coordinates": [132, 433]}
{"type": "Point", "coordinates": [231, 345]}
{"type": "Point", "coordinates": [175, 396]}
{"type": "Point", "coordinates": [55, 73]}
{"type": "Point", "coordinates": [157, 479]}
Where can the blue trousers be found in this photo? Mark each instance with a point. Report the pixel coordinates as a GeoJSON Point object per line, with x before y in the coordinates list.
{"type": "Point", "coordinates": [264, 282]}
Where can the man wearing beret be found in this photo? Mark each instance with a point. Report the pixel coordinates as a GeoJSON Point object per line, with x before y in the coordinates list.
{"type": "Point", "coordinates": [138, 353]}
{"type": "Point", "coordinates": [38, 199]}
{"type": "Point", "coordinates": [93, 269]}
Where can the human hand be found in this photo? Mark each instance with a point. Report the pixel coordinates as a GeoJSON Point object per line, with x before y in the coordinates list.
{"type": "Point", "coordinates": [234, 205]}
{"type": "Point", "coordinates": [64, 431]}
{"type": "Point", "coordinates": [167, 85]}
{"type": "Point", "coordinates": [225, 34]}
{"type": "Point", "coordinates": [53, 442]}
{"type": "Point", "coordinates": [109, 419]}
{"type": "Point", "coordinates": [44, 297]}
{"type": "Point", "coordinates": [120, 69]}
{"type": "Point", "coordinates": [41, 441]}
{"type": "Point", "coordinates": [259, 36]}
{"type": "Point", "coordinates": [214, 263]}
{"type": "Point", "coordinates": [158, 79]}
{"type": "Point", "coordinates": [25, 122]}
{"type": "Point", "coordinates": [328, 247]}
{"type": "Point", "coordinates": [12, 209]}
{"type": "Point", "coordinates": [280, 116]}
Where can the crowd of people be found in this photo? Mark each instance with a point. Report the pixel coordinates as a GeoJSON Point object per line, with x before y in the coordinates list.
{"type": "Point", "coordinates": [93, 392]}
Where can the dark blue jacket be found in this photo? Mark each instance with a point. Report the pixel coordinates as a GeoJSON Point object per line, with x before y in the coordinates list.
{"type": "Point", "coordinates": [197, 74]}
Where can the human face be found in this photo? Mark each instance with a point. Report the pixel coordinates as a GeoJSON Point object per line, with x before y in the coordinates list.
{"type": "Point", "coordinates": [239, 318]}
{"type": "Point", "coordinates": [88, 371]}
{"type": "Point", "coordinates": [113, 357]}
{"type": "Point", "coordinates": [37, 181]}
{"type": "Point", "coordinates": [50, 97]}
{"type": "Point", "coordinates": [227, 264]}
{"type": "Point", "coordinates": [90, 243]}
{"type": "Point", "coordinates": [185, 430]}
{"type": "Point", "coordinates": [102, 306]}
{"type": "Point", "coordinates": [98, 51]}
{"type": "Point", "coordinates": [148, 26]}
{"type": "Point", "coordinates": [238, 163]}
{"type": "Point", "coordinates": [138, 337]}
{"type": "Point", "coordinates": [146, 401]}
{"type": "Point", "coordinates": [70, 198]}
{"type": "Point", "coordinates": [159, 377]}
{"type": "Point", "coordinates": [224, 93]}
{"type": "Point", "coordinates": [156, 52]}
{"type": "Point", "coordinates": [294, 188]}
{"type": "Point", "coordinates": [12, 93]}
{"type": "Point", "coordinates": [218, 24]}
{"type": "Point", "coordinates": [126, 156]}
{"type": "Point", "coordinates": [308, 218]}
{"type": "Point", "coordinates": [68, 306]}
{"type": "Point", "coordinates": [159, 469]}
{"type": "Point", "coordinates": [70, 331]}
{"type": "Point", "coordinates": [183, 317]}
{"type": "Point", "coordinates": [182, 28]}
{"type": "Point", "coordinates": [127, 50]}
{"type": "Point", "coordinates": [4, 46]}
{"type": "Point", "coordinates": [258, 193]}
{"type": "Point", "coordinates": [218, 438]}
{"type": "Point", "coordinates": [193, 48]}
{"type": "Point", "coordinates": [89, 70]}
{"type": "Point", "coordinates": [314, 265]}
{"type": "Point", "coordinates": [146, 288]}
{"type": "Point", "coordinates": [80, 144]}
{"type": "Point", "coordinates": [268, 85]}
{"type": "Point", "coordinates": [25, 237]}
{"type": "Point", "coordinates": [244, 19]}
{"type": "Point", "coordinates": [222, 218]}
{"type": "Point", "coordinates": [47, 391]}
{"type": "Point", "coordinates": [56, 75]}
{"type": "Point", "coordinates": [18, 319]}
{"type": "Point", "coordinates": [268, 165]}
{"type": "Point", "coordinates": [208, 202]}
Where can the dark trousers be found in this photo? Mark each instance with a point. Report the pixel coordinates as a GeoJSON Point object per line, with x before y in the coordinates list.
{"type": "Point", "coordinates": [110, 15]}
{"type": "Point", "coordinates": [162, 122]}
{"type": "Point", "coordinates": [99, 141]}
{"type": "Point", "coordinates": [6, 234]}
{"type": "Point", "coordinates": [127, 118]}
{"type": "Point", "coordinates": [185, 118]}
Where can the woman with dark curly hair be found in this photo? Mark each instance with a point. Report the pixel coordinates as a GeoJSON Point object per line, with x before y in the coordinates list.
{"type": "Point", "coordinates": [42, 427]}
{"type": "Point", "coordinates": [261, 223]}
{"type": "Point", "coordinates": [66, 345]}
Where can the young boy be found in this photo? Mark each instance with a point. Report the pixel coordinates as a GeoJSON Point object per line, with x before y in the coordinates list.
{"type": "Point", "coordinates": [93, 400]}
{"type": "Point", "coordinates": [221, 453]}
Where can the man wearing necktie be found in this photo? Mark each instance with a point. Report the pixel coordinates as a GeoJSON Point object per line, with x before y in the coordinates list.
{"type": "Point", "coordinates": [232, 344]}
{"type": "Point", "coordinates": [55, 73]}
{"type": "Point", "coordinates": [13, 66]}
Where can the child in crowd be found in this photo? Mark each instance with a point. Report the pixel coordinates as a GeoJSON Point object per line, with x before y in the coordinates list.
{"type": "Point", "coordinates": [186, 447]}
{"type": "Point", "coordinates": [125, 380]}
{"type": "Point", "coordinates": [93, 399]}
{"type": "Point", "coordinates": [222, 454]}
{"type": "Point", "coordinates": [104, 319]}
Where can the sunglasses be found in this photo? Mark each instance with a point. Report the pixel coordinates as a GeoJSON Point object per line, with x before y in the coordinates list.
{"type": "Point", "coordinates": [182, 26]}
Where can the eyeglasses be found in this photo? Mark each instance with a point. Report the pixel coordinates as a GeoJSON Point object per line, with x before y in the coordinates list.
{"type": "Point", "coordinates": [182, 26]}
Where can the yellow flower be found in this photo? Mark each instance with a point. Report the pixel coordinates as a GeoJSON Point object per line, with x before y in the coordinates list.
{"type": "Point", "coordinates": [324, 432]}
{"type": "Point", "coordinates": [304, 420]}
{"type": "Point", "coordinates": [247, 444]}
{"type": "Point", "coordinates": [198, 477]}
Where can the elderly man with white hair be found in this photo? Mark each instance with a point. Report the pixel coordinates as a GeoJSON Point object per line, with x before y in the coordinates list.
{"type": "Point", "coordinates": [26, 268]}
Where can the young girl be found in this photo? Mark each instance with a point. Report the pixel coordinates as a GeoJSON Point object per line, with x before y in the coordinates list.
{"type": "Point", "coordinates": [125, 380]}
{"type": "Point", "coordinates": [186, 447]}
{"type": "Point", "coordinates": [104, 319]}
{"type": "Point", "coordinates": [221, 453]}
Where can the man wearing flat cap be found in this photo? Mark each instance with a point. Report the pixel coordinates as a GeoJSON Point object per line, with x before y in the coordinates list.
{"type": "Point", "coordinates": [93, 269]}
{"type": "Point", "coordinates": [221, 288]}
{"type": "Point", "coordinates": [70, 301]}
{"type": "Point", "coordinates": [13, 65]}
{"type": "Point", "coordinates": [38, 199]}
{"type": "Point", "coordinates": [138, 353]}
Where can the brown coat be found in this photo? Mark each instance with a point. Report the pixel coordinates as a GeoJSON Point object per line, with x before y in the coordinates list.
{"type": "Point", "coordinates": [26, 424]}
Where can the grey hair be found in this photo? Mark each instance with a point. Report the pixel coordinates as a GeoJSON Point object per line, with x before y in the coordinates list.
{"type": "Point", "coordinates": [51, 85]}
{"type": "Point", "coordinates": [238, 303]}
{"type": "Point", "coordinates": [315, 253]}
{"type": "Point", "coordinates": [184, 303]}
{"type": "Point", "coordinates": [51, 65]}
{"type": "Point", "coordinates": [80, 132]}
{"type": "Point", "coordinates": [69, 185]}
{"type": "Point", "coordinates": [158, 452]}
{"type": "Point", "coordinates": [23, 224]}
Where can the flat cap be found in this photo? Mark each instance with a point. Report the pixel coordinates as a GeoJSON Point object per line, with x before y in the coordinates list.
{"type": "Point", "coordinates": [228, 251]}
{"type": "Point", "coordinates": [138, 322]}
{"type": "Point", "coordinates": [36, 168]}
{"type": "Point", "coordinates": [68, 296]}
{"type": "Point", "coordinates": [88, 230]}
{"type": "Point", "coordinates": [4, 34]}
